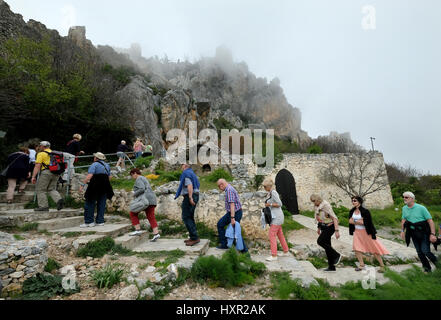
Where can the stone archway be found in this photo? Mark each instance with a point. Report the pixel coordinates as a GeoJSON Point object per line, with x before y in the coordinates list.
{"type": "Point", "coordinates": [286, 187]}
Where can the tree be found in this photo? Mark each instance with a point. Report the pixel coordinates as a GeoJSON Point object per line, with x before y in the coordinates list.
{"type": "Point", "coordinates": [360, 173]}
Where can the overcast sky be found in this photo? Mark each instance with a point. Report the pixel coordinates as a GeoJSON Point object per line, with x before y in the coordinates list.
{"type": "Point", "coordinates": [377, 80]}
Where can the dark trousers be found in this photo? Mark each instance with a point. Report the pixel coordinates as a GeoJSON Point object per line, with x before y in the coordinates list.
{"type": "Point", "coordinates": [422, 246]}
{"type": "Point", "coordinates": [324, 241]}
{"type": "Point", "coordinates": [188, 215]}
{"type": "Point", "coordinates": [225, 221]}
{"type": "Point", "coordinates": [89, 209]}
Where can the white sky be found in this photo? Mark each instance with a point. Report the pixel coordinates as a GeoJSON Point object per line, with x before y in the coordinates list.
{"type": "Point", "coordinates": [381, 83]}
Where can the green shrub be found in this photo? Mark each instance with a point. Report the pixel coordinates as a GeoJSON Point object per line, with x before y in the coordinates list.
{"type": "Point", "coordinates": [108, 276]}
{"type": "Point", "coordinates": [219, 173]}
{"type": "Point", "coordinates": [42, 287]}
{"type": "Point", "coordinates": [172, 228]}
{"type": "Point", "coordinates": [51, 265]}
{"type": "Point", "coordinates": [97, 248]}
{"type": "Point", "coordinates": [71, 234]}
{"type": "Point", "coordinates": [283, 287]}
{"type": "Point", "coordinates": [315, 149]}
{"type": "Point", "coordinates": [29, 226]}
{"type": "Point", "coordinates": [205, 232]}
{"type": "Point", "coordinates": [169, 176]}
{"type": "Point", "coordinates": [18, 237]}
{"type": "Point", "coordinates": [318, 262]}
{"type": "Point", "coordinates": [258, 179]}
{"type": "Point", "coordinates": [143, 162]}
{"type": "Point", "coordinates": [232, 269]}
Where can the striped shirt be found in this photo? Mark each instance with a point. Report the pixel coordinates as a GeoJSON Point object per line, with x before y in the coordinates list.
{"type": "Point", "coordinates": [231, 195]}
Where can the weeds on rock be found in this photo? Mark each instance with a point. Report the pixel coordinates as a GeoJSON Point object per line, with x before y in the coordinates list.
{"type": "Point", "coordinates": [51, 265]}
{"type": "Point", "coordinates": [71, 234]}
{"type": "Point", "coordinates": [29, 226]}
{"type": "Point", "coordinates": [318, 262]}
{"type": "Point", "coordinates": [97, 248]}
{"type": "Point", "coordinates": [42, 287]}
{"type": "Point", "coordinates": [219, 173]}
{"type": "Point", "coordinates": [108, 276]}
{"type": "Point", "coordinates": [19, 237]}
{"type": "Point", "coordinates": [231, 270]}
{"type": "Point", "coordinates": [284, 287]}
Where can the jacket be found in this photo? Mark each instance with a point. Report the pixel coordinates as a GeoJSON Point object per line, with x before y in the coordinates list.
{"type": "Point", "coordinates": [99, 185]}
{"type": "Point", "coordinates": [188, 173]}
{"type": "Point", "coordinates": [18, 166]}
{"type": "Point", "coordinates": [418, 230]}
{"type": "Point", "coordinates": [234, 233]}
{"type": "Point", "coordinates": [367, 220]}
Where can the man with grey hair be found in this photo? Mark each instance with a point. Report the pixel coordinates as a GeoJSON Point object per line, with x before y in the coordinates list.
{"type": "Point", "coordinates": [417, 224]}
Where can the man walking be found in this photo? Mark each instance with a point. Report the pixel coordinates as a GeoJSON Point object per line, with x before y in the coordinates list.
{"type": "Point", "coordinates": [417, 224]}
{"type": "Point", "coordinates": [189, 189]}
{"type": "Point", "coordinates": [98, 191]}
{"type": "Point", "coordinates": [234, 212]}
{"type": "Point", "coordinates": [47, 182]}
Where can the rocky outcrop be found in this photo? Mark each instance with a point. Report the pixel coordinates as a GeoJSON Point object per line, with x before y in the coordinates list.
{"type": "Point", "coordinates": [140, 100]}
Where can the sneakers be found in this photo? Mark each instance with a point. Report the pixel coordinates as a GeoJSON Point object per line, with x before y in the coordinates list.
{"type": "Point", "coordinates": [99, 224]}
{"type": "Point", "coordinates": [135, 233]}
{"type": "Point", "coordinates": [42, 209]}
{"type": "Point", "coordinates": [337, 260]}
{"type": "Point", "coordinates": [271, 258]}
{"type": "Point", "coordinates": [156, 237]}
{"type": "Point", "coordinates": [284, 254]}
{"type": "Point", "coordinates": [222, 248]}
{"type": "Point", "coordinates": [192, 242]}
{"type": "Point", "coordinates": [87, 225]}
{"type": "Point", "coordinates": [60, 204]}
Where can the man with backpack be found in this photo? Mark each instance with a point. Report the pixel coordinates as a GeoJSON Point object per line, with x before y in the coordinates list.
{"type": "Point", "coordinates": [50, 169]}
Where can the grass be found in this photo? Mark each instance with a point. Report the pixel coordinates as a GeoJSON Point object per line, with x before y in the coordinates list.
{"type": "Point", "coordinates": [318, 262]}
{"type": "Point", "coordinates": [219, 173]}
{"type": "Point", "coordinates": [171, 258]}
{"type": "Point", "coordinates": [29, 226]}
{"type": "Point", "coordinates": [51, 265]}
{"type": "Point", "coordinates": [71, 234]}
{"type": "Point", "coordinates": [43, 287]}
{"type": "Point", "coordinates": [205, 232]}
{"type": "Point", "coordinates": [231, 270]}
{"type": "Point", "coordinates": [171, 227]}
{"type": "Point", "coordinates": [108, 276]}
{"type": "Point", "coordinates": [283, 287]}
{"type": "Point", "coordinates": [160, 254]}
{"type": "Point", "coordinates": [97, 248]}
{"type": "Point", "coordinates": [289, 224]}
{"type": "Point", "coordinates": [19, 237]}
{"type": "Point", "coordinates": [122, 183]}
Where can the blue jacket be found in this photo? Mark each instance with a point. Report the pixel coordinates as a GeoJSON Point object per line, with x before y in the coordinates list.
{"type": "Point", "coordinates": [188, 173]}
{"type": "Point", "coordinates": [233, 233]}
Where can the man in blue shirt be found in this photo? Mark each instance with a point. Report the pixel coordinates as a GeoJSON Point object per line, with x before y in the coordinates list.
{"type": "Point", "coordinates": [97, 192]}
{"type": "Point", "coordinates": [419, 221]}
{"type": "Point", "coordinates": [189, 189]}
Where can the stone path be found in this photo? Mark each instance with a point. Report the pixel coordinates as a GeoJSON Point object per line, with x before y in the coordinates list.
{"type": "Point", "coordinates": [173, 244]}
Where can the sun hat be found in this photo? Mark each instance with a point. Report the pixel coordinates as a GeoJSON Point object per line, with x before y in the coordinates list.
{"type": "Point", "coordinates": [99, 156]}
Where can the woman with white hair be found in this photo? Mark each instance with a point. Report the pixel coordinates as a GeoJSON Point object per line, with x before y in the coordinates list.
{"type": "Point", "coordinates": [71, 153]}
{"type": "Point", "coordinates": [417, 224]}
{"type": "Point", "coordinates": [275, 231]}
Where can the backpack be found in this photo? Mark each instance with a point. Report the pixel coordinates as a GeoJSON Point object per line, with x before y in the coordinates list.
{"type": "Point", "coordinates": [56, 163]}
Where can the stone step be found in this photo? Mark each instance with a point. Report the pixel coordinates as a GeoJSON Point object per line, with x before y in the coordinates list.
{"type": "Point", "coordinates": [396, 249]}
{"type": "Point", "coordinates": [11, 206]}
{"type": "Point", "coordinates": [112, 230]}
{"type": "Point", "coordinates": [60, 223]}
{"type": "Point", "coordinates": [14, 218]}
{"type": "Point", "coordinates": [81, 241]}
{"type": "Point", "coordinates": [18, 198]}
{"type": "Point", "coordinates": [173, 244]}
{"type": "Point", "coordinates": [130, 242]}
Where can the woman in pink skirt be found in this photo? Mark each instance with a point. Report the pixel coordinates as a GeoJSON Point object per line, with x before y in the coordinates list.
{"type": "Point", "coordinates": [363, 230]}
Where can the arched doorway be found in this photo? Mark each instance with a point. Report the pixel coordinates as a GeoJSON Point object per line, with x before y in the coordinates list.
{"type": "Point", "coordinates": [286, 187]}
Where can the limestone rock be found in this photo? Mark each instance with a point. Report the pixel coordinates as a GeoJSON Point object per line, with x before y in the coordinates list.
{"type": "Point", "coordinates": [129, 293]}
{"type": "Point", "coordinates": [147, 293]}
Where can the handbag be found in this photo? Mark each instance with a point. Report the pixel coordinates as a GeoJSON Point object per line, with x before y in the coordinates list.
{"type": "Point", "coordinates": [139, 204]}
{"type": "Point", "coordinates": [267, 213]}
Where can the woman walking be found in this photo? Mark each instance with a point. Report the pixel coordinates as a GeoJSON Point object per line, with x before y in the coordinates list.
{"type": "Point", "coordinates": [145, 200]}
{"type": "Point", "coordinates": [327, 224]}
{"type": "Point", "coordinates": [18, 172]}
{"type": "Point", "coordinates": [275, 231]}
{"type": "Point", "coordinates": [363, 230]}
{"type": "Point", "coordinates": [138, 148]}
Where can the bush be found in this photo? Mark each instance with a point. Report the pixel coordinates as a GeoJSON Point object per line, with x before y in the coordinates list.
{"type": "Point", "coordinates": [97, 248]}
{"type": "Point", "coordinates": [219, 173]}
{"type": "Point", "coordinates": [169, 176]}
{"type": "Point", "coordinates": [29, 226]}
{"type": "Point", "coordinates": [231, 270]}
{"type": "Point", "coordinates": [258, 179]}
{"type": "Point", "coordinates": [284, 287]}
{"type": "Point", "coordinates": [143, 162]}
{"type": "Point", "coordinates": [42, 287]}
{"type": "Point", "coordinates": [51, 265]}
{"type": "Point", "coordinates": [315, 149]}
{"type": "Point", "coordinates": [108, 276]}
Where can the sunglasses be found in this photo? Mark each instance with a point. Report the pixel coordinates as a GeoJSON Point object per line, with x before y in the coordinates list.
{"type": "Point", "coordinates": [354, 200]}
{"type": "Point", "coordinates": [406, 197]}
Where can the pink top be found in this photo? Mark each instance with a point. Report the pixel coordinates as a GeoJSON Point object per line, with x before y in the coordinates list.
{"type": "Point", "coordinates": [138, 147]}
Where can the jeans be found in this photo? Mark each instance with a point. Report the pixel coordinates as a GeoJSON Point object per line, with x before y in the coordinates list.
{"type": "Point", "coordinates": [70, 170]}
{"type": "Point", "coordinates": [138, 154]}
{"type": "Point", "coordinates": [225, 221]}
{"type": "Point", "coordinates": [422, 246]}
{"type": "Point", "coordinates": [89, 209]}
{"type": "Point", "coordinates": [188, 215]}
{"type": "Point", "coordinates": [324, 241]}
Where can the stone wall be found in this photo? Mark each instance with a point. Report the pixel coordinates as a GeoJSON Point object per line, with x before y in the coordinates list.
{"type": "Point", "coordinates": [20, 260]}
{"type": "Point", "coordinates": [306, 170]}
